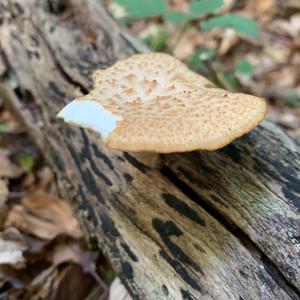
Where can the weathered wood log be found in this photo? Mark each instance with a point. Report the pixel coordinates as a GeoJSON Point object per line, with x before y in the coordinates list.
{"type": "Point", "coordinates": [208, 225]}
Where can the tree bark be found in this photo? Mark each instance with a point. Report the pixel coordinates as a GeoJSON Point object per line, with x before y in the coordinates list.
{"type": "Point", "coordinates": [208, 225]}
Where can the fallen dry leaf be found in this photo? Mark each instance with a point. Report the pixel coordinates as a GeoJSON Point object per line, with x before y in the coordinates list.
{"type": "Point", "coordinates": [12, 246]}
{"type": "Point", "coordinates": [67, 282]}
{"type": "Point", "coordinates": [73, 281]}
{"type": "Point", "coordinates": [44, 216]}
{"type": "Point", "coordinates": [229, 39]}
{"type": "Point", "coordinates": [72, 252]}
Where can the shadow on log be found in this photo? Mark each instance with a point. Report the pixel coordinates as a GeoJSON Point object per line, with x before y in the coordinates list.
{"type": "Point", "coordinates": [208, 225]}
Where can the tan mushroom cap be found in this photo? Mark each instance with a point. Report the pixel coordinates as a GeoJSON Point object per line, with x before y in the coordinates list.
{"type": "Point", "coordinates": [158, 105]}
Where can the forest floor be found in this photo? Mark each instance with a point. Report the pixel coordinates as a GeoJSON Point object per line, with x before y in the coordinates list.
{"type": "Point", "coordinates": [42, 251]}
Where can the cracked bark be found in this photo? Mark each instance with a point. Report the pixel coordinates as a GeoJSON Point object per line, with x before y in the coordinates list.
{"type": "Point", "coordinates": [217, 225]}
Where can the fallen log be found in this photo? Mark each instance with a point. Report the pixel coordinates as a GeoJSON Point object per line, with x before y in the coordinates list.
{"type": "Point", "coordinates": [207, 225]}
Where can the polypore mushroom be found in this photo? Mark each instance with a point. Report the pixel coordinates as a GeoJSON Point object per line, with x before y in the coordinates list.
{"type": "Point", "coordinates": [153, 103]}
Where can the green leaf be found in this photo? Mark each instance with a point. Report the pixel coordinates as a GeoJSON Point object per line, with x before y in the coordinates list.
{"type": "Point", "coordinates": [240, 24]}
{"type": "Point", "coordinates": [143, 8]}
{"type": "Point", "coordinates": [292, 98]}
{"type": "Point", "coordinates": [197, 60]}
{"type": "Point", "coordinates": [157, 41]}
{"type": "Point", "coordinates": [3, 126]}
{"type": "Point", "coordinates": [109, 275]}
{"type": "Point", "coordinates": [198, 8]}
{"type": "Point", "coordinates": [244, 67]}
{"type": "Point", "coordinates": [26, 161]}
{"type": "Point", "coordinates": [177, 17]}
{"type": "Point", "coordinates": [231, 82]}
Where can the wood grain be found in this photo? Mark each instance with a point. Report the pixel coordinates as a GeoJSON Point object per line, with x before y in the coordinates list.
{"type": "Point", "coordinates": [219, 225]}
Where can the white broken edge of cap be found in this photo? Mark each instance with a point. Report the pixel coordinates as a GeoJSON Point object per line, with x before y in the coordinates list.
{"type": "Point", "coordinates": [90, 114]}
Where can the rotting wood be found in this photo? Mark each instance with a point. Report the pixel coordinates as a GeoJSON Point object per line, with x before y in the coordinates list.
{"type": "Point", "coordinates": [214, 225]}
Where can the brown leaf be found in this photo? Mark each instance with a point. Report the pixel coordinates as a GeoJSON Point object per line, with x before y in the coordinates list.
{"type": "Point", "coordinates": [68, 282]}
{"type": "Point", "coordinates": [73, 283]}
{"type": "Point", "coordinates": [71, 275]}
{"type": "Point", "coordinates": [229, 40]}
{"type": "Point", "coordinates": [44, 216]}
{"type": "Point", "coordinates": [72, 252]}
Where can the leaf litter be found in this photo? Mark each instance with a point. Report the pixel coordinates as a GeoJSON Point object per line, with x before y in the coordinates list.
{"type": "Point", "coordinates": [42, 251]}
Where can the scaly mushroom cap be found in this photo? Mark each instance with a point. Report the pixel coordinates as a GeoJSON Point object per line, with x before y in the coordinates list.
{"type": "Point", "coordinates": [153, 102]}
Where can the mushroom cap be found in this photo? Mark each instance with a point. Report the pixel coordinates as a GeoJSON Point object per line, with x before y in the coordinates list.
{"type": "Point", "coordinates": [153, 102]}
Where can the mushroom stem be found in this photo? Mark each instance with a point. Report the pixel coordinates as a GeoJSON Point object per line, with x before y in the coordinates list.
{"type": "Point", "coordinates": [150, 159]}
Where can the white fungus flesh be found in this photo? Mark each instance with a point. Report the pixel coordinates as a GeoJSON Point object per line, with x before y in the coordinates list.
{"type": "Point", "coordinates": [153, 102]}
{"type": "Point", "coordinates": [90, 114]}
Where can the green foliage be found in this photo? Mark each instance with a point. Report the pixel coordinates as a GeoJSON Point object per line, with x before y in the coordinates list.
{"type": "Point", "coordinates": [198, 8]}
{"type": "Point", "coordinates": [201, 7]}
{"type": "Point", "coordinates": [230, 82]}
{"type": "Point", "coordinates": [244, 67]}
{"type": "Point", "coordinates": [240, 24]}
{"type": "Point", "coordinates": [292, 99]}
{"type": "Point", "coordinates": [143, 8]}
{"type": "Point", "coordinates": [198, 60]}
{"type": "Point", "coordinates": [3, 125]}
{"type": "Point", "coordinates": [26, 161]}
{"type": "Point", "coordinates": [157, 41]}
{"type": "Point", "coordinates": [109, 276]}
{"type": "Point", "coordinates": [177, 17]}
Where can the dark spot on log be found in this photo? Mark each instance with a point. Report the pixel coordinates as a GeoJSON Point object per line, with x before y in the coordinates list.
{"type": "Point", "coordinates": [199, 248]}
{"type": "Point", "coordinates": [85, 66]}
{"type": "Point", "coordinates": [97, 171]}
{"type": "Point", "coordinates": [120, 158]}
{"type": "Point", "coordinates": [197, 160]}
{"type": "Point", "coordinates": [129, 252]}
{"type": "Point", "coordinates": [183, 208]}
{"type": "Point", "coordinates": [74, 155]}
{"type": "Point", "coordinates": [91, 184]}
{"type": "Point", "coordinates": [266, 280]}
{"type": "Point", "coordinates": [192, 179]}
{"type": "Point", "coordinates": [218, 200]}
{"type": "Point", "coordinates": [32, 54]}
{"type": "Point", "coordinates": [108, 225]}
{"type": "Point", "coordinates": [102, 156]}
{"type": "Point", "coordinates": [281, 166]}
{"type": "Point", "coordinates": [291, 197]}
{"type": "Point", "coordinates": [52, 29]}
{"type": "Point", "coordinates": [165, 290]}
{"type": "Point", "coordinates": [165, 231]}
{"type": "Point", "coordinates": [294, 237]}
{"type": "Point", "coordinates": [181, 271]}
{"type": "Point", "coordinates": [241, 298]}
{"type": "Point", "coordinates": [56, 90]}
{"type": "Point", "coordinates": [87, 207]}
{"type": "Point", "coordinates": [86, 154]}
{"type": "Point", "coordinates": [86, 175]}
{"type": "Point", "coordinates": [19, 8]}
{"type": "Point", "coordinates": [57, 7]}
{"type": "Point", "coordinates": [134, 162]}
{"type": "Point", "coordinates": [186, 295]}
{"type": "Point", "coordinates": [35, 41]}
{"type": "Point", "coordinates": [128, 177]}
{"type": "Point", "coordinates": [58, 162]}
{"type": "Point", "coordinates": [232, 151]}
{"type": "Point", "coordinates": [243, 274]}
{"type": "Point", "coordinates": [127, 269]}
